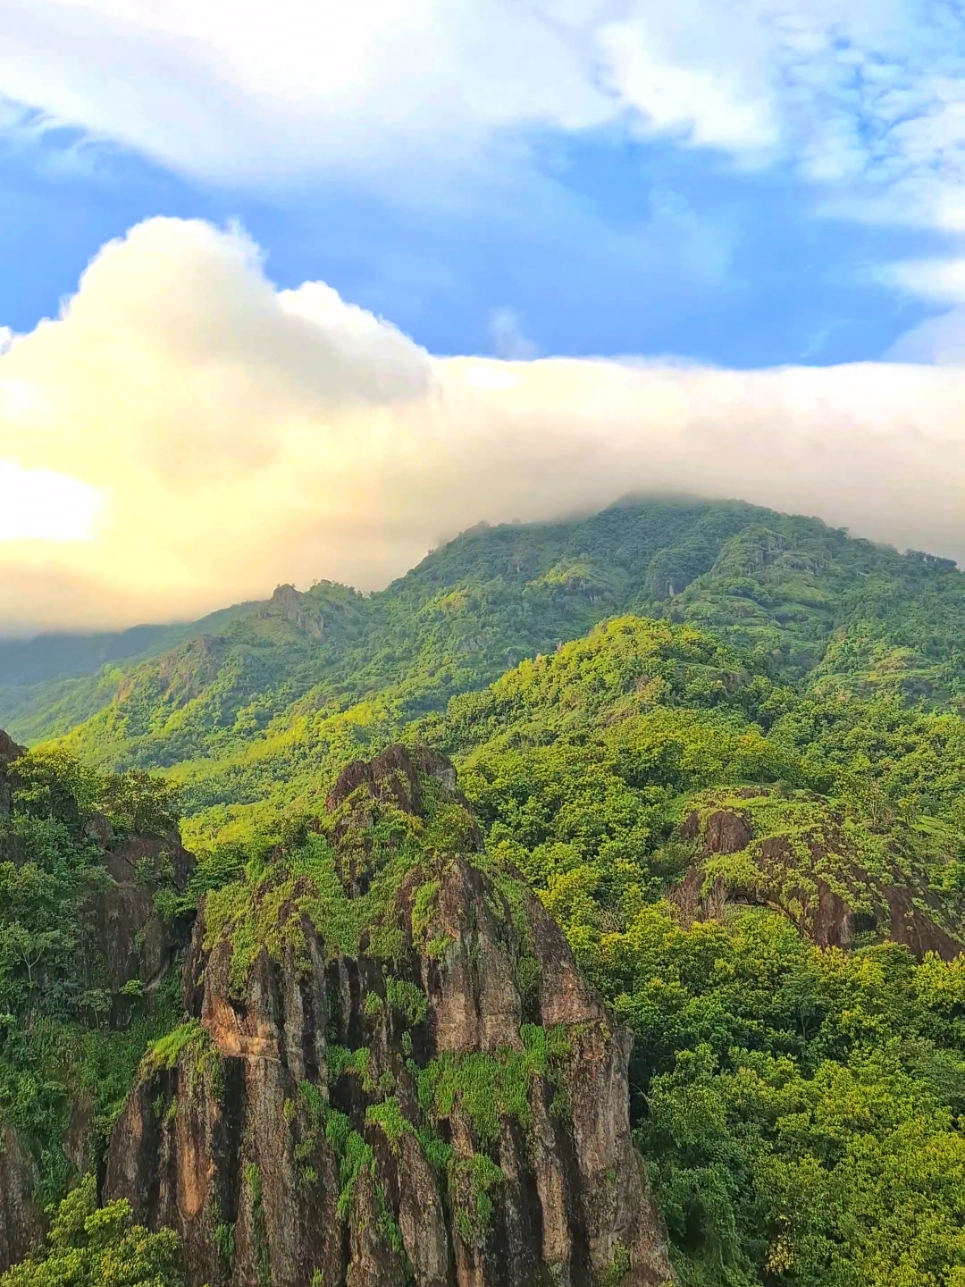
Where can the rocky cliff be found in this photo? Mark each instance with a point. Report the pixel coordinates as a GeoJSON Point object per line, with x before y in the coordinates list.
{"type": "Point", "coordinates": [123, 938]}
{"type": "Point", "coordinates": [798, 856]}
{"type": "Point", "coordinates": [390, 1070]}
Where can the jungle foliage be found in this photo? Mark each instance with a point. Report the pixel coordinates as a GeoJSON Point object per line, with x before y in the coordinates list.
{"type": "Point", "coordinates": [604, 687]}
{"type": "Point", "coordinates": [59, 1035]}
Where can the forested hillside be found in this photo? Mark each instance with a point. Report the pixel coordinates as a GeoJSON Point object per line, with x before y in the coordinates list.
{"type": "Point", "coordinates": [725, 751]}
{"type": "Point", "coordinates": [281, 692]}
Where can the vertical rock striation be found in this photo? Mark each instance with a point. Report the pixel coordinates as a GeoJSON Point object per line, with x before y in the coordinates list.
{"type": "Point", "coordinates": [391, 1071]}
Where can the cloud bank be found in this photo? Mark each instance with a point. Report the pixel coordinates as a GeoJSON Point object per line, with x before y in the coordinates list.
{"type": "Point", "coordinates": [210, 436]}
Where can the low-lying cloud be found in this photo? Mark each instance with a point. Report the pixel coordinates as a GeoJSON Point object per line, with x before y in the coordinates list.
{"type": "Point", "coordinates": [226, 436]}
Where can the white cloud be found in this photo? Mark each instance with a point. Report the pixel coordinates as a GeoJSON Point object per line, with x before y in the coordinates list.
{"type": "Point", "coordinates": [710, 100]}
{"type": "Point", "coordinates": [941, 280]}
{"type": "Point", "coordinates": [42, 505]}
{"type": "Point", "coordinates": [866, 96]}
{"type": "Point", "coordinates": [238, 436]}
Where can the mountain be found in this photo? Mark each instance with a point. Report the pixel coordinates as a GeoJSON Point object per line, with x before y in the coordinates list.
{"type": "Point", "coordinates": [52, 682]}
{"type": "Point", "coordinates": [283, 691]}
{"type": "Point", "coordinates": [388, 1066]}
{"type": "Point", "coordinates": [587, 907]}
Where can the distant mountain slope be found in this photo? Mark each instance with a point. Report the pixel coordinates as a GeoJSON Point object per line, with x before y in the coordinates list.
{"type": "Point", "coordinates": [25, 662]}
{"type": "Point", "coordinates": [252, 698]}
{"type": "Point", "coordinates": [51, 683]}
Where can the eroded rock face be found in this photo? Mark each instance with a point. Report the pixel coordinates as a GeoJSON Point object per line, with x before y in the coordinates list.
{"type": "Point", "coordinates": [21, 1217]}
{"type": "Point", "coordinates": [9, 752]}
{"type": "Point", "coordinates": [445, 1104]}
{"type": "Point", "coordinates": [920, 932]}
{"type": "Point", "coordinates": [721, 832]}
{"type": "Point", "coordinates": [137, 942]}
{"type": "Point", "coordinates": [811, 875]}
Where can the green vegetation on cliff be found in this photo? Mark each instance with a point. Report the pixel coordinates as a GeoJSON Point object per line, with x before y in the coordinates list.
{"type": "Point", "coordinates": [92, 1246]}
{"type": "Point", "coordinates": [69, 1032]}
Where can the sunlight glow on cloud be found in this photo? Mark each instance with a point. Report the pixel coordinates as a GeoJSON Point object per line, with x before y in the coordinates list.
{"type": "Point", "coordinates": [41, 505]}
{"type": "Point", "coordinates": [246, 436]}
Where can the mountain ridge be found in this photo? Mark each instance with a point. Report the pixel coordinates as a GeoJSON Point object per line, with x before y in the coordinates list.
{"type": "Point", "coordinates": [232, 711]}
{"type": "Point", "coordinates": [682, 552]}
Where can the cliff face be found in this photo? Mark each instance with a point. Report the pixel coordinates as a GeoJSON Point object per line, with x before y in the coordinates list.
{"type": "Point", "coordinates": [125, 939]}
{"type": "Point", "coordinates": [9, 753]}
{"type": "Point", "coordinates": [798, 858]}
{"type": "Point", "coordinates": [137, 942]}
{"type": "Point", "coordinates": [391, 1071]}
{"type": "Point", "coordinates": [21, 1218]}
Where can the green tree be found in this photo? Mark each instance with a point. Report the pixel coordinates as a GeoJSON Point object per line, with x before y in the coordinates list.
{"type": "Point", "coordinates": [91, 1246]}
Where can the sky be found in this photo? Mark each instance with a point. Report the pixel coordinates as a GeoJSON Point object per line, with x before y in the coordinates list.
{"type": "Point", "coordinates": [297, 290]}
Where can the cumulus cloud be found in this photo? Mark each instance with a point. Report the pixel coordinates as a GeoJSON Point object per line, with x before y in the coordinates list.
{"type": "Point", "coordinates": [233, 436]}
{"type": "Point", "coordinates": [40, 504]}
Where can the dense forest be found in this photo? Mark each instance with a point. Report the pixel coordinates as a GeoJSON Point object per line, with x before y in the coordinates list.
{"type": "Point", "coordinates": [720, 748]}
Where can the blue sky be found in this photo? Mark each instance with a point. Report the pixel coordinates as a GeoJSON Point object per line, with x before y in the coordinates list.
{"type": "Point", "coordinates": [606, 246]}
{"type": "Point", "coordinates": [647, 223]}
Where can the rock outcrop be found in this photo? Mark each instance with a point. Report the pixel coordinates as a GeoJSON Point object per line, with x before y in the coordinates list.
{"type": "Point", "coordinates": [137, 941]}
{"type": "Point", "coordinates": [21, 1216]}
{"type": "Point", "coordinates": [391, 1071]}
{"type": "Point", "coordinates": [130, 940]}
{"type": "Point", "coordinates": [796, 857]}
{"type": "Point", "coordinates": [9, 752]}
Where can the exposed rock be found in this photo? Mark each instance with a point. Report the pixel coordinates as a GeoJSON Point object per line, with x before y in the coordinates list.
{"type": "Point", "coordinates": [288, 603]}
{"type": "Point", "coordinates": [721, 832]}
{"type": "Point", "coordinates": [279, 1155]}
{"type": "Point", "coordinates": [910, 925]}
{"type": "Point", "coordinates": [821, 912]}
{"type": "Point", "coordinates": [398, 779]}
{"type": "Point", "coordinates": [813, 877]}
{"type": "Point", "coordinates": [9, 752]}
{"type": "Point", "coordinates": [99, 829]}
{"type": "Point", "coordinates": [80, 1140]}
{"type": "Point", "coordinates": [182, 674]}
{"type": "Point", "coordinates": [137, 942]}
{"type": "Point", "coordinates": [394, 777]}
{"type": "Point", "coordinates": [696, 900]}
{"type": "Point", "coordinates": [21, 1218]}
